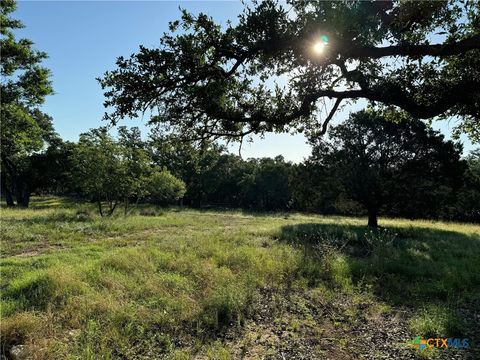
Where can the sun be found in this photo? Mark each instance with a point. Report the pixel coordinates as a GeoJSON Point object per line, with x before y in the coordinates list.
{"type": "Point", "coordinates": [319, 47]}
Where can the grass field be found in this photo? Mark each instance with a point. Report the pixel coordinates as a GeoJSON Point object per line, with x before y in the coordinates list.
{"type": "Point", "coordinates": [182, 284]}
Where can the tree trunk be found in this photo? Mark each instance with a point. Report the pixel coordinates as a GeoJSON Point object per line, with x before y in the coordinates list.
{"type": "Point", "coordinates": [9, 198]}
{"type": "Point", "coordinates": [372, 218]}
{"type": "Point", "coordinates": [25, 200]}
{"type": "Point", "coordinates": [22, 194]}
{"type": "Point", "coordinates": [100, 208]}
{"type": "Point", "coordinates": [8, 194]}
{"type": "Point", "coordinates": [112, 206]}
{"type": "Point", "coordinates": [17, 186]}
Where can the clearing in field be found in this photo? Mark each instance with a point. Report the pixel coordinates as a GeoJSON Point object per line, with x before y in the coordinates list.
{"type": "Point", "coordinates": [179, 284]}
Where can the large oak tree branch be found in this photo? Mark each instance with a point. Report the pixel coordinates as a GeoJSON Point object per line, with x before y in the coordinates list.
{"type": "Point", "coordinates": [352, 51]}
{"type": "Point", "coordinates": [448, 49]}
{"type": "Point", "coordinates": [444, 102]}
{"type": "Point", "coordinates": [211, 75]}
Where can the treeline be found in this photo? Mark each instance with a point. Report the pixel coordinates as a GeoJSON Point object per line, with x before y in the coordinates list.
{"type": "Point", "coordinates": [369, 164]}
{"type": "Point", "coordinates": [377, 162]}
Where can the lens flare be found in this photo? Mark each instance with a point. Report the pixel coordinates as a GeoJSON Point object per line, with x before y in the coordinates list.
{"type": "Point", "coordinates": [319, 47]}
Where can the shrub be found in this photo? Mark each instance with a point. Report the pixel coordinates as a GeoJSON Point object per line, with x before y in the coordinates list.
{"type": "Point", "coordinates": [437, 321]}
{"type": "Point", "coordinates": [164, 188]}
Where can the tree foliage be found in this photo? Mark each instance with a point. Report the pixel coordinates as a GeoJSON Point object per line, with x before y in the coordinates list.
{"type": "Point", "coordinates": [118, 171]}
{"type": "Point", "coordinates": [467, 205]}
{"type": "Point", "coordinates": [215, 177]}
{"type": "Point", "coordinates": [164, 188]}
{"type": "Point", "coordinates": [209, 81]}
{"type": "Point", "coordinates": [393, 161]}
{"type": "Point", "coordinates": [24, 128]}
{"type": "Point", "coordinates": [267, 187]}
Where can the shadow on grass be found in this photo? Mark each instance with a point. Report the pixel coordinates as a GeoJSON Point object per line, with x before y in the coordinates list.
{"type": "Point", "coordinates": [415, 267]}
{"type": "Point", "coordinates": [49, 202]}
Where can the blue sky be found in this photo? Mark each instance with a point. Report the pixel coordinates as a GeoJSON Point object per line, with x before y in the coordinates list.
{"type": "Point", "coordinates": [84, 38]}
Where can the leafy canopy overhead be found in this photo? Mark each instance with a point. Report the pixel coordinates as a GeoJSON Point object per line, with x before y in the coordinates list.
{"type": "Point", "coordinates": [277, 66]}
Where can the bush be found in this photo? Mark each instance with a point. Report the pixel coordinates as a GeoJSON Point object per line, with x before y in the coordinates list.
{"type": "Point", "coordinates": [164, 188]}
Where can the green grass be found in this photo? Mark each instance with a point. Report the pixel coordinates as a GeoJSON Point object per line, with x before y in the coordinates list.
{"type": "Point", "coordinates": [75, 285]}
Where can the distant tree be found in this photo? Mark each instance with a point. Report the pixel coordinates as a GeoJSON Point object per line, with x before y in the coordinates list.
{"type": "Point", "coordinates": [267, 187]}
{"type": "Point", "coordinates": [98, 169]}
{"type": "Point", "coordinates": [467, 206]}
{"type": "Point", "coordinates": [180, 157]}
{"type": "Point", "coordinates": [120, 171]}
{"type": "Point", "coordinates": [211, 81]}
{"type": "Point", "coordinates": [135, 164]}
{"type": "Point", "coordinates": [219, 178]}
{"type": "Point", "coordinates": [215, 177]}
{"type": "Point", "coordinates": [314, 188]}
{"type": "Point", "coordinates": [211, 174]}
{"type": "Point", "coordinates": [49, 171]}
{"type": "Point", "coordinates": [391, 161]}
{"type": "Point", "coordinates": [25, 130]}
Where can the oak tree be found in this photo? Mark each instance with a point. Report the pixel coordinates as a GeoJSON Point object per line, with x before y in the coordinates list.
{"type": "Point", "coordinates": [392, 162]}
{"type": "Point", "coordinates": [279, 67]}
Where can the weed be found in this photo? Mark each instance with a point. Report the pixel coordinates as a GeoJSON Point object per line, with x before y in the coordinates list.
{"type": "Point", "coordinates": [437, 321]}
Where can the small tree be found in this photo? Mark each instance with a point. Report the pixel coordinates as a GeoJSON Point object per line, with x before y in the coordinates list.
{"type": "Point", "coordinates": [390, 160]}
{"type": "Point", "coordinates": [112, 172]}
{"type": "Point", "coordinates": [136, 165]}
{"type": "Point", "coordinates": [99, 170]}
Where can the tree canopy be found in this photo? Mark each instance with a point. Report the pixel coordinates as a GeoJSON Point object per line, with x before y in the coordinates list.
{"type": "Point", "coordinates": [279, 67]}
{"type": "Point", "coordinates": [404, 165]}
{"type": "Point", "coordinates": [24, 127]}
{"type": "Point", "coordinates": [111, 171]}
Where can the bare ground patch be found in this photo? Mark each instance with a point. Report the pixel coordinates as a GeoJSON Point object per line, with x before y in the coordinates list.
{"type": "Point", "coordinates": [298, 326]}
